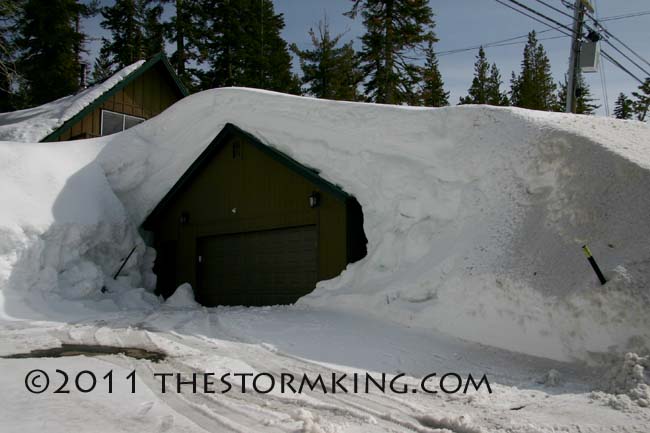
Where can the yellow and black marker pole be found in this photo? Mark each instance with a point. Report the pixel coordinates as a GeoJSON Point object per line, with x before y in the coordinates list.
{"type": "Point", "coordinates": [594, 265]}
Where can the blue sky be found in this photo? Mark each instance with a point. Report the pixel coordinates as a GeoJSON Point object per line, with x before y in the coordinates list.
{"type": "Point", "coordinates": [467, 23]}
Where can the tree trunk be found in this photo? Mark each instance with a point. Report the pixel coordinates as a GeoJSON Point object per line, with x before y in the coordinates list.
{"type": "Point", "coordinates": [388, 93]}
{"type": "Point", "coordinates": [180, 39]}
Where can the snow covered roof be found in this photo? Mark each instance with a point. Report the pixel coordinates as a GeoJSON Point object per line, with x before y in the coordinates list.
{"type": "Point", "coordinates": [46, 122]}
{"type": "Point", "coordinates": [475, 215]}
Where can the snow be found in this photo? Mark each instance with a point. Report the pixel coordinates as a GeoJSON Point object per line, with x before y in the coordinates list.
{"type": "Point", "coordinates": [63, 233]}
{"type": "Point", "coordinates": [475, 215]}
{"type": "Point", "coordinates": [183, 297]}
{"type": "Point", "coordinates": [475, 218]}
{"type": "Point", "coordinates": [296, 340]}
{"type": "Point", "coordinates": [34, 124]}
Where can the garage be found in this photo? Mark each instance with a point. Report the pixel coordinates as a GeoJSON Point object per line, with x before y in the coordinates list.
{"type": "Point", "coordinates": [248, 225]}
{"type": "Point", "coordinates": [257, 268]}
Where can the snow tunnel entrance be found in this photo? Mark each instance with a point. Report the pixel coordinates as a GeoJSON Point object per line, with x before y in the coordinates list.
{"type": "Point", "coordinates": [248, 225]}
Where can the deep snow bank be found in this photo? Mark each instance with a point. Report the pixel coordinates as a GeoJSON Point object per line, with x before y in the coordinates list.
{"type": "Point", "coordinates": [475, 216]}
{"type": "Point", "coordinates": [63, 233]}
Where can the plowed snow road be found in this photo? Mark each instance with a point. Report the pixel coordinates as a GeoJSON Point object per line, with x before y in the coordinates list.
{"type": "Point", "coordinates": [298, 341]}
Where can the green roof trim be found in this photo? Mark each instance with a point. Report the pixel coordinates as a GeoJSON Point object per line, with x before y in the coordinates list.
{"type": "Point", "coordinates": [158, 58]}
{"type": "Point", "coordinates": [229, 131]}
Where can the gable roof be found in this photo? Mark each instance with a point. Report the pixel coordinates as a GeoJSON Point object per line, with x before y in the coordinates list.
{"type": "Point", "coordinates": [48, 121]}
{"type": "Point", "coordinates": [158, 58]}
{"type": "Point", "coordinates": [229, 131]}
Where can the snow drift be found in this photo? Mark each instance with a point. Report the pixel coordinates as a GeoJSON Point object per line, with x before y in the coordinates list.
{"type": "Point", "coordinates": [475, 215]}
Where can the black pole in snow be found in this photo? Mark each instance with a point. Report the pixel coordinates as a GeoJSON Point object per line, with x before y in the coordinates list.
{"type": "Point", "coordinates": [123, 263]}
{"type": "Point", "coordinates": [594, 265]}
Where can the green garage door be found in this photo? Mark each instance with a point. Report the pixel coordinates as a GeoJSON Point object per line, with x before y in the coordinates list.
{"type": "Point", "coordinates": [257, 268]}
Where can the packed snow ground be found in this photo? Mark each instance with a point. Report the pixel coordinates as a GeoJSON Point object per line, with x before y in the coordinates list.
{"type": "Point", "coordinates": [475, 217]}
{"type": "Point", "coordinates": [296, 340]}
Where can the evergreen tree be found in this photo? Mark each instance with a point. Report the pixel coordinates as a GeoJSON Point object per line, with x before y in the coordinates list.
{"type": "Point", "coordinates": [494, 94]}
{"type": "Point", "coordinates": [135, 28]}
{"type": "Point", "coordinates": [584, 101]}
{"type": "Point", "coordinates": [624, 107]}
{"type": "Point", "coordinates": [184, 30]}
{"type": "Point", "coordinates": [153, 31]}
{"type": "Point", "coordinates": [9, 10]}
{"type": "Point", "coordinates": [329, 71]}
{"type": "Point", "coordinates": [103, 67]}
{"type": "Point", "coordinates": [433, 88]}
{"type": "Point", "coordinates": [50, 42]}
{"type": "Point", "coordinates": [534, 87]}
{"type": "Point", "coordinates": [478, 91]}
{"type": "Point", "coordinates": [243, 47]}
{"type": "Point", "coordinates": [395, 30]}
{"type": "Point", "coordinates": [486, 85]}
{"type": "Point", "coordinates": [642, 100]}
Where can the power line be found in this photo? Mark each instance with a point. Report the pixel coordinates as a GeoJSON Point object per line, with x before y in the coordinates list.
{"type": "Point", "coordinates": [618, 40]}
{"type": "Point", "coordinates": [494, 44]}
{"type": "Point", "coordinates": [562, 26]}
{"type": "Point", "coordinates": [628, 58]}
{"type": "Point", "coordinates": [624, 16]}
{"type": "Point", "coordinates": [535, 18]}
{"type": "Point", "coordinates": [603, 84]}
{"type": "Point", "coordinates": [616, 63]}
{"type": "Point", "coordinates": [546, 17]}
{"type": "Point", "coordinates": [603, 78]}
{"type": "Point", "coordinates": [500, 43]}
{"type": "Point", "coordinates": [607, 32]}
{"type": "Point", "coordinates": [554, 8]}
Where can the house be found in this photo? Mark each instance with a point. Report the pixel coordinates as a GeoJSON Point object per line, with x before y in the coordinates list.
{"type": "Point", "coordinates": [131, 96]}
{"type": "Point", "coordinates": [248, 225]}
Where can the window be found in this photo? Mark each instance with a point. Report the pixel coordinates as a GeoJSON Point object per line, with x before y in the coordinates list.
{"type": "Point", "coordinates": [117, 122]}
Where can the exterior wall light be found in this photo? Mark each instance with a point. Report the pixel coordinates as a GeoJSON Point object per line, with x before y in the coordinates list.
{"type": "Point", "coordinates": [185, 218]}
{"type": "Point", "coordinates": [314, 199]}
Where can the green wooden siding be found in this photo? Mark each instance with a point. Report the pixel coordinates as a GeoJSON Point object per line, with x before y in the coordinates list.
{"type": "Point", "coordinates": [242, 189]}
{"type": "Point", "coordinates": [146, 96]}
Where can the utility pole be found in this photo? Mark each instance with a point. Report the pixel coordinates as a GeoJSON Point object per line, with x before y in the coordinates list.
{"type": "Point", "coordinates": [574, 59]}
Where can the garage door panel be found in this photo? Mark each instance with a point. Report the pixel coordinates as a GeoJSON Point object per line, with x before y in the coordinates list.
{"type": "Point", "coordinates": [258, 268]}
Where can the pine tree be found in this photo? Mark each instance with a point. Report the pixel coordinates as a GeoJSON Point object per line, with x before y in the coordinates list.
{"type": "Point", "coordinates": [534, 87]}
{"type": "Point", "coordinates": [136, 32]}
{"type": "Point", "coordinates": [433, 87]}
{"type": "Point", "coordinates": [494, 94]}
{"type": "Point", "coordinates": [478, 91]}
{"type": "Point", "coordinates": [153, 30]}
{"type": "Point", "coordinates": [584, 101]}
{"type": "Point", "coordinates": [329, 71]}
{"type": "Point", "coordinates": [49, 43]}
{"type": "Point", "coordinates": [103, 67]}
{"type": "Point", "coordinates": [184, 30]}
{"type": "Point", "coordinates": [486, 85]}
{"type": "Point", "coordinates": [243, 47]}
{"type": "Point", "coordinates": [642, 100]}
{"type": "Point", "coordinates": [9, 10]}
{"type": "Point", "coordinates": [395, 30]}
{"type": "Point", "coordinates": [624, 107]}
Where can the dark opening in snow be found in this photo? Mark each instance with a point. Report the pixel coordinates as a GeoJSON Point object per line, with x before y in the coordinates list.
{"type": "Point", "coordinates": [90, 350]}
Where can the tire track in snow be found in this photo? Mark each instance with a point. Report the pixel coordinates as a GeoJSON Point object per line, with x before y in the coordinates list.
{"type": "Point", "coordinates": [337, 406]}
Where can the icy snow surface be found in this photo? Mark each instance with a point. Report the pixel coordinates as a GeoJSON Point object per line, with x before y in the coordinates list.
{"type": "Point", "coordinates": [34, 124]}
